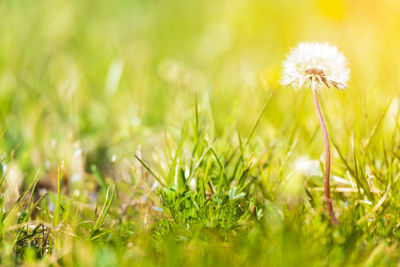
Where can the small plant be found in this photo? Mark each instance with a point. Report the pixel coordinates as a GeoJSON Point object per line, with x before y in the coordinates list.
{"type": "Point", "coordinates": [209, 186]}
{"type": "Point", "coordinates": [317, 65]}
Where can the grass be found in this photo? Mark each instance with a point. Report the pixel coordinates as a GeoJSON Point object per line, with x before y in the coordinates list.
{"type": "Point", "coordinates": [218, 201]}
{"type": "Point", "coordinates": [133, 134]}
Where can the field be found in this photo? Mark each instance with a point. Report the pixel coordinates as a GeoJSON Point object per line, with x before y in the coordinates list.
{"type": "Point", "coordinates": [157, 132]}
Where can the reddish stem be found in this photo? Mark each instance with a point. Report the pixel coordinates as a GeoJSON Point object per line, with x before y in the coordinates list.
{"type": "Point", "coordinates": [327, 159]}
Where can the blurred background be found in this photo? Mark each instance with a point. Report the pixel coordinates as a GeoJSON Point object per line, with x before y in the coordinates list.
{"type": "Point", "coordinates": [91, 82]}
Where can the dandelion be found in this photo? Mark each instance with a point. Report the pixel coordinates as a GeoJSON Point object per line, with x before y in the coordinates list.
{"type": "Point", "coordinates": [315, 66]}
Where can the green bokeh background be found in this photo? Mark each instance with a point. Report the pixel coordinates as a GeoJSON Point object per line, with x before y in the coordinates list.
{"type": "Point", "coordinates": [108, 76]}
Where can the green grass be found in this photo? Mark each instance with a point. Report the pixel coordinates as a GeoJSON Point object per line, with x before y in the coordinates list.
{"type": "Point", "coordinates": [225, 200]}
{"type": "Point", "coordinates": [157, 133]}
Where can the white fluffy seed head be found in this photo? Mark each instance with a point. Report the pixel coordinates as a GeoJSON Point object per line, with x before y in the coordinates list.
{"type": "Point", "coordinates": [316, 65]}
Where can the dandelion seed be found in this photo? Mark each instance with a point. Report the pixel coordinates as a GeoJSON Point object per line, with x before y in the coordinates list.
{"type": "Point", "coordinates": [317, 65]}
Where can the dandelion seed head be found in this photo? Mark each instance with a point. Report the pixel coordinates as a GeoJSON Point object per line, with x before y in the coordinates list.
{"type": "Point", "coordinates": [315, 64]}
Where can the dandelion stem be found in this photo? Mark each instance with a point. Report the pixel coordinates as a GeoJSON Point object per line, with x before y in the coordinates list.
{"type": "Point", "coordinates": [327, 158]}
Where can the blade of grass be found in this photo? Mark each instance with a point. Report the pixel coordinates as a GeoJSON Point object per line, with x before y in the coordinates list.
{"type": "Point", "coordinates": [250, 136]}
{"type": "Point", "coordinates": [257, 122]}
{"type": "Point", "coordinates": [31, 198]}
{"type": "Point", "coordinates": [36, 204]}
{"type": "Point", "coordinates": [150, 171]}
{"type": "Point", "coordinates": [222, 177]}
{"type": "Point", "coordinates": [373, 211]}
{"type": "Point", "coordinates": [19, 202]}
{"type": "Point", "coordinates": [177, 155]}
{"type": "Point", "coordinates": [377, 126]}
{"type": "Point", "coordinates": [361, 179]}
{"type": "Point", "coordinates": [99, 177]}
{"type": "Point", "coordinates": [104, 211]}
{"type": "Point", "coordinates": [58, 202]}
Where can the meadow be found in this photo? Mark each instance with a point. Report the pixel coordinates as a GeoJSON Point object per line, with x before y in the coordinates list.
{"type": "Point", "coordinates": [157, 133]}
